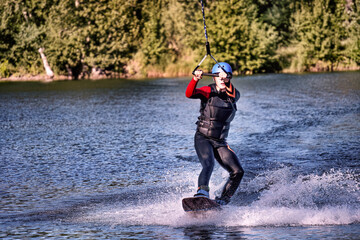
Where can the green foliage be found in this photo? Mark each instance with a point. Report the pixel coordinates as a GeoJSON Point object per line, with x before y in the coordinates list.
{"type": "Point", "coordinates": [278, 15]}
{"type": "Point", "coordinates": [240, 38]}
{"type": "Point", "coordinates": [150, 37]}
{"type": "Point", "coordinates": [4, 69]}
{"type": "Point", "coordinates": [95, 34]}
{"type": "Point", "coordinates": [28, 41]}
{"type": "Point", "coordinates": [352, 30]}
{"type": "Point", "coordinates": [319, 35]}
{"type": "Point", "coordinates": [154, 44]}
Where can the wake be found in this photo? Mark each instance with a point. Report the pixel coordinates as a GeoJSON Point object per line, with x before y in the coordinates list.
{"type": "Point", "coordinates": [278, 198]}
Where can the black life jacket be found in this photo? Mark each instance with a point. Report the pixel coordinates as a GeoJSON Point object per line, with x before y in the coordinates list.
{"type": "Point", "coordinates": [216, 114]}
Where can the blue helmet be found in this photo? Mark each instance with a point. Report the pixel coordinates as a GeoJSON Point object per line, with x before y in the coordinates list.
{"type": "Point", "coordinates": [217, 69]}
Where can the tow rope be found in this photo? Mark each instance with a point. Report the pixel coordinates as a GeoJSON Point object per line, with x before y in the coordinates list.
{"type": "Point", "coordinates": [207, 44]}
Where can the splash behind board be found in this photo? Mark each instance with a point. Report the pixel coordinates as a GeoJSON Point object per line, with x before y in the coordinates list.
{"type": "Point", "coordinates": [193, 204]}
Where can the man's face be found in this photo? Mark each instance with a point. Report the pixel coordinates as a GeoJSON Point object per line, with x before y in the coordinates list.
{"type": "Point", "coordinates": [220, 83]}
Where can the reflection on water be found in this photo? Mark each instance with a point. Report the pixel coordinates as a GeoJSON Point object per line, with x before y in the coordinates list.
{"type": "Point", "coordinates": [211, 232]}
{"type": "Point", "coordinates": [113, 158]}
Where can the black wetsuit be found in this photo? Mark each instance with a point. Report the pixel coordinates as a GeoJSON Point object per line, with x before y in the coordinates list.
{"type": "Point", "coordinates": [216, 112]}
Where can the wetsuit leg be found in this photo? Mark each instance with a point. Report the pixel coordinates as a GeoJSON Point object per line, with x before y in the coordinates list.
{"type": "Point", "coordinates": [205, 153]}
{"type": "Point", "coordinates": [229, 161]}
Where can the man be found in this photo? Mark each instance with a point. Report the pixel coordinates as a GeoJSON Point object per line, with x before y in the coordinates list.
{"type": "Point", "coordinates": [217, 110]}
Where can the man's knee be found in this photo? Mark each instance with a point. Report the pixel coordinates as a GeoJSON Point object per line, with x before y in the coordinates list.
{"type": "Point", "coordinates": [237, 174]}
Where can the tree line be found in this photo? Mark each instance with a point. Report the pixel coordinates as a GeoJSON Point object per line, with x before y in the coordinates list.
{"type": "Point", "coordinates": [166, 37]}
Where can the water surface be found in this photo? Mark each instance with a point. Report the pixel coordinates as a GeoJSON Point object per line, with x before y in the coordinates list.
{"type": "Point", "coordinates": [114, 158]}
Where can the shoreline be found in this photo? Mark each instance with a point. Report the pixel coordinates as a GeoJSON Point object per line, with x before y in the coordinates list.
{"type": "Point", "coordinates": [45, 78]}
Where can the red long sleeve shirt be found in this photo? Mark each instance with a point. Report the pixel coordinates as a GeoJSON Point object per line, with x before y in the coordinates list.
{"type": "Point", "coordinates": [193, 92]}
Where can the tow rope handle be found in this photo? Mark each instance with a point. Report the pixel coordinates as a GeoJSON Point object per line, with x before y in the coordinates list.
{"type": "Point", "coordinates": [207, 53]}
{"type": "Point", "coordinates": [207, 45]}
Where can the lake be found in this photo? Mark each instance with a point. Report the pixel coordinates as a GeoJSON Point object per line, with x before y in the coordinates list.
{"type": "Point", "coordinates": [112, 159]}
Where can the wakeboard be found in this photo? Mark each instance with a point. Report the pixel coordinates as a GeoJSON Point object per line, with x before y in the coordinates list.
{"type": "Point", "coordinates": [193, 204]}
